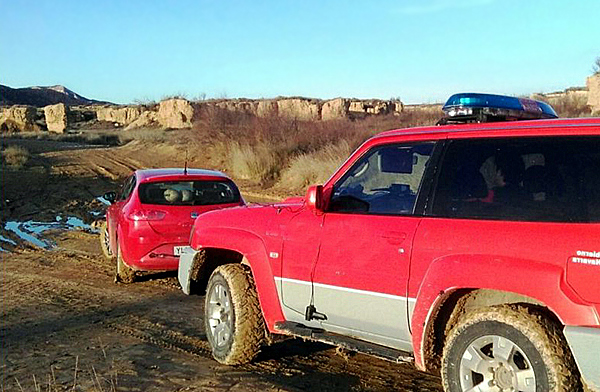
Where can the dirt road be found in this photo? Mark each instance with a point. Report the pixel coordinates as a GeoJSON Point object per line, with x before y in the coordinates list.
{"type": "Point", "coordinates": [65, 325]}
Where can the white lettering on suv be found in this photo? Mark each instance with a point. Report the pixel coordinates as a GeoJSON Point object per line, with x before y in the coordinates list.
{"type": "Point", "coordinates": [587, 258]}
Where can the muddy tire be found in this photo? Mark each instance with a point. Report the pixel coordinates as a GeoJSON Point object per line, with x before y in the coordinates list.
{"type": "Point", "coordinates": [105, 242]}
{"type": "Point", "coordinates": [123, 273]}
{"type": "Point", "coordinates": [507, 348]}
{"type": "Point", "coordinates": [232, 317]}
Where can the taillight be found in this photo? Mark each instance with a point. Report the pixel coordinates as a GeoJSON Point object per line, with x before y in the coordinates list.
{"type": "Point", "coordinates": [147, 215]}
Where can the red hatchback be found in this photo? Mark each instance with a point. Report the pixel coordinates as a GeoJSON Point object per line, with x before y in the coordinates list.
{"type": "Point", "coordinates": [148, 222]}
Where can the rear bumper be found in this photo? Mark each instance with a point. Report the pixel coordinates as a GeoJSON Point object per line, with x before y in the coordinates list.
{"type": "Point", "coordinates": [152, 258]}
{"type": "Point", "coordinates": [186, 262]}
{"type": "Point", "coordinates": [585, 346]}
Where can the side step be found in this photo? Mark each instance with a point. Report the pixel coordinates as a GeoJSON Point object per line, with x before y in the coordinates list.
{"type": "Point", "coordinates": [348, 343]}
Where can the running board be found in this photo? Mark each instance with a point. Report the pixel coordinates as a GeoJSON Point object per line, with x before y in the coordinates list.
{"type": "Point", "coordinates": [345, 342]}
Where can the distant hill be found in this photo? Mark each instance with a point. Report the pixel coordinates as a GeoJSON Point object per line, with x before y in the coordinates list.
{"type": "Point", "coordinates": [42, 95]}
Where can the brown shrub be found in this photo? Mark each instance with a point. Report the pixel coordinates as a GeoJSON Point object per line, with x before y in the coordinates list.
{"type": "Point", "coordinates": [315, 167]}
{"type": "Point", "coordinates": [15, 156]}
{"type": "Point", "coordinates": [256, 161]}
{"type": "Point", "coordinates": [291, 152]}
{"type": "Point", "coordinates": [569, 104]}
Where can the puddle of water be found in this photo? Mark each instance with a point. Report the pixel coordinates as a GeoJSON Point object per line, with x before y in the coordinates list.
{"type": "Point", "coordinates": [29, 231]}
{"type": "Point", "coordinates": [103, 200]}
{"type": "Point", "coordinates": [32, 231]}
{"type": "Point", "coordinates": [2, 238]}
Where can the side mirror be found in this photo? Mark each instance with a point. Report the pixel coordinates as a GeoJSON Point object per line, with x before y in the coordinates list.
{"type": "Point", "coordinates": [314, 197]}
{"type": "Point", "coordinates": [110, 196]}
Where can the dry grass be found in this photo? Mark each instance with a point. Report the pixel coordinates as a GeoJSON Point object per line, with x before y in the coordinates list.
{"type": "Point", "coordinates": [293, 153]}
{"type": "Point", "coordinates": [76, 379]}
{"type": "Point", "coordinates": [159, 135]}
{"type": "Point", "coordinates": [15, 156]}
{"type": "Point", "coordinates": [256, 161]}
{"type": "Point", "coordinates": [315, 167]}
{"type": "Point", "coordinates": [107, 138]}
{"type": "Point", "coordinates": [570, 104]}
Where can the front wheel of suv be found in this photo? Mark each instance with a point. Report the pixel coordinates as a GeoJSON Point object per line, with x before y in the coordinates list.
{"type": "Point", "coordinates": [232, 317]}
{"type": "Point", "coordinates": [507, 348]}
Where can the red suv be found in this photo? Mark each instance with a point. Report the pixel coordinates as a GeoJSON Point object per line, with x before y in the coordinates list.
{"type": "Point", "coordinates": [148, 223]}
{"type": "Point", "coordinates": [472, 249]}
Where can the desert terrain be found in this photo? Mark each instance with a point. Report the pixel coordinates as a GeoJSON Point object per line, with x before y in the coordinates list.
{"type": "Point", "coordinates": [65, 324]}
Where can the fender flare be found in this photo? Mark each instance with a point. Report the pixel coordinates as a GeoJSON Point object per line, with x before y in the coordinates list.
{"type": "Point", "coordinates": [253, 248]}
{"type": "Point", "coordinates": [448, 274]}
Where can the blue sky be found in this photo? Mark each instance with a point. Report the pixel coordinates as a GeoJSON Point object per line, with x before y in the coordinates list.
{"type": "Point", "coordinates": [420, 51]}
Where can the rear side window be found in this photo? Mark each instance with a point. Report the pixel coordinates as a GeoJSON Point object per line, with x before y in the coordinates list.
{"type": "Point", "coordinates": [127, 188]}
{"type": "Point", "coordinates": [189, 193]}
{"type": "Point", "coordinates": [549, 179]}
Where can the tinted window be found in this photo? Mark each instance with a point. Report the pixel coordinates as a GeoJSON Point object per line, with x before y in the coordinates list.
{"type": "Point", "coordinates": [189, 193]}
{"type": "Point", "coordinates": [127, 188]}
{"type": "Point", "coordinates": [384, 181]}
{"type": "Point", "coordinates": [555, 179]}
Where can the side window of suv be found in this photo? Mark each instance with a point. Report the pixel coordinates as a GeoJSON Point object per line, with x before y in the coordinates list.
{"type": "Point", "coordinates": [547, 179]}
{"type": "Point", "coordinates": [384, 181]}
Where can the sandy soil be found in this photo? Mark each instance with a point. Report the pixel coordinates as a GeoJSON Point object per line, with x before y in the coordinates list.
{"type": "Point", "coordinates": [65, 325]}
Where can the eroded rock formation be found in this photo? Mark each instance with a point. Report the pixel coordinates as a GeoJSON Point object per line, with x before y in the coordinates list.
{"type": "Point", "coordinates": [18, 119]}
{"type": "Point", "coordinates": [120, 115]}
{"type": "Point", "coordinates": [56, 117]}
{"type": "Point", "coordinates": [175, 113]}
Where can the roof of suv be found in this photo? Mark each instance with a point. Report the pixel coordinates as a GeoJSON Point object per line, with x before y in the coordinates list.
{"type": "Point", "coordinates": [147, 174]}
{"type": "Point", "coordinates": [483, 129]}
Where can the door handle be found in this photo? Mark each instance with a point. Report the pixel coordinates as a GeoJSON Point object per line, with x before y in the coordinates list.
{"type": "Point", "coordinates": [394, 237]}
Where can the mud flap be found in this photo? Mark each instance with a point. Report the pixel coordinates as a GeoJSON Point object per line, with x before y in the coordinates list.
{"type": "Point", "coordinates": [186, 263]}
{"type": "Point", "coordinates": [585, 345]}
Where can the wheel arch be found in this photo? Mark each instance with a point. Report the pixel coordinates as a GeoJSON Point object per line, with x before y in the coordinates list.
{"type": "Point", "coordinates": [450, 278]}
{"type": "Point", "coordinates": [225, 246]}
{"type": "Point", "coordinates": [451, 305]}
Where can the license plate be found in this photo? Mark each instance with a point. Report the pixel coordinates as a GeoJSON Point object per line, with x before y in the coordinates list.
{"type": "Point", "coordinates": [179, 250]}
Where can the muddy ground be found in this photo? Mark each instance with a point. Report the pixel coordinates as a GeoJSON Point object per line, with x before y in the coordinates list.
{"type": "Point", "coordinates": [65, 324]}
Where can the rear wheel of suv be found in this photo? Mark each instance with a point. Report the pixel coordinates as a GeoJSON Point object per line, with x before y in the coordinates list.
{"type": "Point", "coordinates": [507, 348]}
{"type": "Point", "coordinates": [232, 318]}
{"type": "Point", "coordinates": [123, 273]}
{"type": "Point", "coordinates": [105, 241]}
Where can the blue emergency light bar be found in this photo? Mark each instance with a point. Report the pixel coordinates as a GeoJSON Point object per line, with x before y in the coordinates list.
{"type": "Point", "coordinates": [476, 107]}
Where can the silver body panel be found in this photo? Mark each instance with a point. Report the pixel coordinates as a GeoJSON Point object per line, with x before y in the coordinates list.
{"type": "Point", "coordinates": [375, 317]}
{"type": "Point", "coordinates": [585, 346]}
{"type": "Point", "coordinates": [186, 262]}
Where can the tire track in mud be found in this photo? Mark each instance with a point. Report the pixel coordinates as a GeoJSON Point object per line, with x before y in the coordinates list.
{"type": "Point", "coordinates": [158, 334]}
{"type": "Point", "coordinates": [72, 302]}
{"type": "Point", "coordinates": [375, 378]}
{"type": "Point", "coordinates": [105, 162]}
{"type": "Point", "coordinates": [162, 336]}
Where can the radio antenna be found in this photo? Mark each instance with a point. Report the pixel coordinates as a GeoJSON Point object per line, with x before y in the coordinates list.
{"type": "Point", "coordinates": [185, 164]}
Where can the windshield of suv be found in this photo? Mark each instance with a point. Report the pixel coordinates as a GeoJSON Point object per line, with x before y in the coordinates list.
{"type": "Point", "coordinates": [196, 192]}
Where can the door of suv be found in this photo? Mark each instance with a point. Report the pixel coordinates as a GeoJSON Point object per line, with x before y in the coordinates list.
{"type": "Point", "coordinates": [361, 274]}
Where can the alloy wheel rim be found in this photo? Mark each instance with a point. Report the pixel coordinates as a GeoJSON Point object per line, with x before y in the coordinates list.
{"type": "Point", "coordinates": [495, 363]}
{"type": "Point", "coordinates": [219, 314]}
{"type": "Point", "coordinates": [107, 241]}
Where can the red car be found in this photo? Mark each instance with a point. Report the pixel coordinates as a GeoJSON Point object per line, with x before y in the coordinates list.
{"type": "Point", "coordinates": [148, 222]}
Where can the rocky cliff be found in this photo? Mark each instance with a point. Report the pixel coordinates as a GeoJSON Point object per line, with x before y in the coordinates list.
{"type": "Point", "coordinates": [593, 86]}
{"type": "Point", "coordinates": [177, 113]}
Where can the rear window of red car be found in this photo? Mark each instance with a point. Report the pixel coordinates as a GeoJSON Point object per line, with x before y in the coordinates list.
{"type": "Point", "coordinates": [196, 192]}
